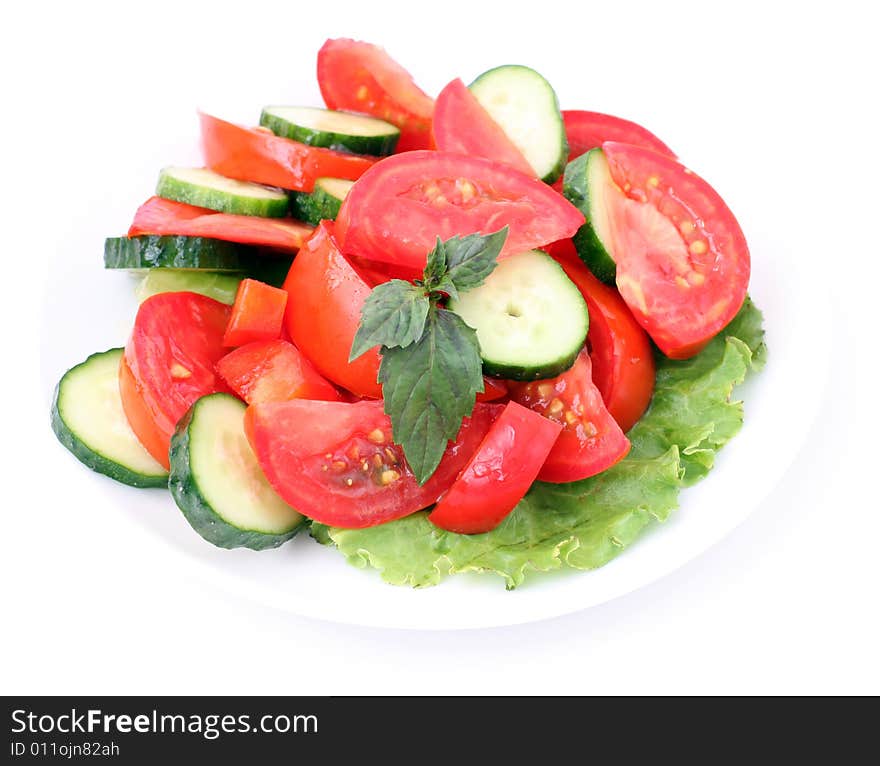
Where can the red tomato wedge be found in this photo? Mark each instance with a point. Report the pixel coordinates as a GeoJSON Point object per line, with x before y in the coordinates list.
{"type": "Point", "coordinates": [139, 417]}
{"type": "Point", "coordinates": [398, 208]}
{"type": "Point", "coordinates": [587, 130]}
{"type": "Point", "coordinates": [324, 311]}
{"type": "Point", "coordinates": [336, 463]}
{"type": "Point", "coordinates": [162, 216]}
{"type": "Point", "coordinates": [591, 441]}
{"type": "Point", "coordinates": [257, 314]}
{"type": "Point", "coordinates": [273, 371]}
{"type": "Point", "coordinates": [361, 77]}
{"type": "Point", "coordinates": [255, 154]}
{"type": "Point", "coordinates": [462, 125]}
{"type": "Point", "coordinates": [621, 353]}
{"type": "Point", "coordinates": [176, 340]}
{"type": "Point", "coordinates": [499, 474]}
{"type": "Point", "coordinates": [682, 260]}
{"type": "Point", "coordinates": [493, 389]}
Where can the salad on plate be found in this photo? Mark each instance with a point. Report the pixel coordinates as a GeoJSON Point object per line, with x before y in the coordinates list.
{"type": "Point", "coordinates": [476, 333]}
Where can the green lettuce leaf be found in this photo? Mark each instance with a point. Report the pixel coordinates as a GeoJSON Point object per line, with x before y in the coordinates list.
{"type": "Point", "coordinates": [585, 524]}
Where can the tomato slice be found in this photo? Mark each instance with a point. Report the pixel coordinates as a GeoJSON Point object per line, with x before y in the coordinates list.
{"type": "Point", "coordinates": [587, 130]}
{"type": "Point", "coordinates": [165, 217]}
{"type": "Point", "coordinates": [257, 314]}
{"type": "Point", "coordinates": [176, 340]}
{"type": "Point", "coordinates": [396, 211]}
{"type": "Point", "coordinates": [273, 371]}
{"type": "Point", "coordinates": [591, 441]}
{"type": "Point", "coordinates": [621, 353]}
{"type": "Point", "coordinates": [255, 154]}
{"type": "Point", "coordinates": [462, 125]}
{"type": "Point", "coordinates": [493, 390]}
{"type": "Point", "coordinates": [139, 417]}
{"type": "Point", "coordinates": [361, 77]}
{"type": "Point", "coordinates": [682, 260]}
{"type": "Point", "coordinates": [336, 463]}
{"type": "Point", "coordinates": [499, 474]}
{"type": "Point", "coordinates": [324, 311]}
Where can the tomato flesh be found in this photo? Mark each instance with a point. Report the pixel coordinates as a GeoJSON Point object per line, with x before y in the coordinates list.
{"type": "Point", "coordinates": [493, 390]}
{"type": "Point", "coordinates": [257, 314]}
{"type": "Point", "coordinates": [176, 340]}
{"type": "Point", "coordinates": [396, 211]}
{"type": "Point", "coordinates": [591, 440]}
{"type": "Point", "coordinates": [139, 417]}
{"type": "Point", "coordinates": [499, 474]}
{"type": "Point", "coordinates": [255, 154]}
{"type": "Point", "coordinates": [620, 351]}
{"type": "Point", "coordinates": [361, 77]}
{"type": "Point", "coordinates": [273, 371]}
{"type": "Point", "coordinates": [462, 125]}
{"type": "Point", "coordinates": [336, 462]}
{"type": "Point", "coordinates": [587, 130]}
{"type": "Point", "coordinates": [324, 311]}
{"type": "Point", "coordinates": [682, 260]}
{"type": "Point", "coordinates": [165, 217]}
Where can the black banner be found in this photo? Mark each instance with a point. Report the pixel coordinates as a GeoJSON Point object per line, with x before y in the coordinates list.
{"type": "Point", "coordinates": [124, 730]}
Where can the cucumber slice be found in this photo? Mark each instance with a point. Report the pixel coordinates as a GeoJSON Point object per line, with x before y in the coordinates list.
{"type": "Point", "coordinates": [269, 267]}
{"type": "Point", "coordinates": [323, 203]}
{"type": "Point", "coordinates": [524, 104]}
{"type": "Point", "coordinates": [342, 131]}
{"type": "Point", "coordinates": [530, 318]}
{"type": "Point", "coordinates": [168, 252]}
{"type": "Point", "coordinates": [588, 186]}
{"type": "Point", "coordinates": [88, 419]}
{"type": "Point", "coordinates": [218, 484]}
{"type": "Point", "coordinates": [221, 287]}
{"type": "Point", "coordinates": [205, 188]}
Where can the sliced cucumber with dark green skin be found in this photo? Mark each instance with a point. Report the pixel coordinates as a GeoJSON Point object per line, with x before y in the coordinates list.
{"type": "Point", "coordinates": [342, 131]}
{"type": "Point", "coordinates": [213, 284]}
{"type": "Point", "coordinates": [531, 319]}
{"type": "Point", "coordinates": [524, 104]}
{"type": "Point", "coordinates": [218, 484]}
{"type": "Point", "coordinates": [205, 188]}
{"type": "Point", "coordinates": [88, 419]}
{"type": "Point", "coordinates": [587, 185]}
{"type": "Point", "coordinates": [168, 252]}
{"type": "Point", "coordinates": [269, 267]}
{"type": "Point", "coordinates": [322, 203]}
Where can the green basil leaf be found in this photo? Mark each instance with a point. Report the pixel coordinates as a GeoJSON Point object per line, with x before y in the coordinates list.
{"type": "Point", "coordinates": [429, 387]}
{"type": "Point", "coordinates": [393, 315]}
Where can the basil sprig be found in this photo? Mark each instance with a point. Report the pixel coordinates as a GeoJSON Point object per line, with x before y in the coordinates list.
{"type": "Point", "coordinates": [431, 369]}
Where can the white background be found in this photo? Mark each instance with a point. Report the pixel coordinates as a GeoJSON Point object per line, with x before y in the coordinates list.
{"type": "Point", "coordinates": [776, 104]}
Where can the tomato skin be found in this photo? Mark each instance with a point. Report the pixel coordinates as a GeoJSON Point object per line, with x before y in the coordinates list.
{"type": "Point", "coordinates": [587, 130]}
{"type": "Point", "coordinates": [155, 441]}
{"type": "Point", "coordinates": [166, 217]}
{"type": "Point", "coordinates": [499, 474]}
{"type": "Point", "coordinates": [398, 208]}
{"type": "Point", "coordinates": [683, 264]}
{"type": "Point", "coordinates": [591, 440]}
{"type": "Point", "coordinates": [493, 390]}
{"type": "Point", "coordinates": [251, 154]}
{"type": "Point", "coordinates": [362, 77]}
{"type": "Point", "coordinates": [462, 125]}
{"type": "Point", "coordinates": [257, 314]}
{"type": "Point", "coordinates": [176, 340]}
{"type": "Point", "coordinates": [324, 311]}
{"type": "Point", "coordinates": [273, 371]}
{"type": "Point", "coordinates": [366, 480]}
{"type": "Point", "coordinates": [620, 351]}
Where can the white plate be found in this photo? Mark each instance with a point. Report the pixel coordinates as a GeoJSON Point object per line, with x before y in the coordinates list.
{"type": "Point", "coordinates": [311, 580]}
